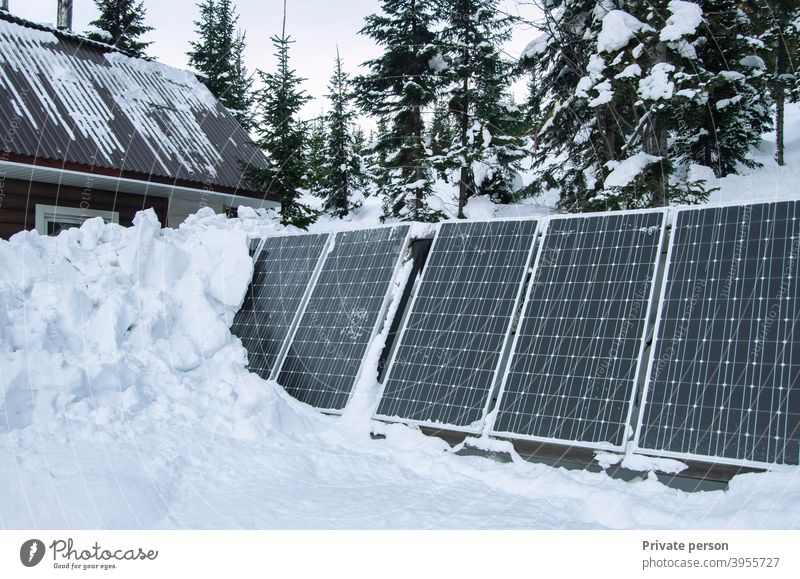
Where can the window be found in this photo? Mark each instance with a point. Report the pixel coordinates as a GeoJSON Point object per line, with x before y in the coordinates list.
{"type": "Point", "coordinates": [52, 219]}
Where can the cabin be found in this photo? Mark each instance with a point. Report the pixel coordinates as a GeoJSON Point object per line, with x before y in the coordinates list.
{"type": "Point", "coordinates": [87, 131]}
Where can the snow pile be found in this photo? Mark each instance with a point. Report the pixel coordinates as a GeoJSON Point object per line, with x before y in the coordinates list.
{"type": "Point", "coordinates": [107, 329]}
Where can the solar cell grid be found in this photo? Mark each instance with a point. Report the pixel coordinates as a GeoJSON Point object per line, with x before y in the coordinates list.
{"type": "Point", "coordinates": [282, 273]}
{"type": "Point", "coordinates": [723, 382]}
{"type": "Point", "coordinates": [450, 346]}
{"type": "Point", "coordinates": [341, 317]}
{"type": "Point", "coordinates": [576, 352]}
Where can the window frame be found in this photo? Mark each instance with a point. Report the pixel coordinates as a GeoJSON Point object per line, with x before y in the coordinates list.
{"type": "Point", "coordinates": [48, 213]}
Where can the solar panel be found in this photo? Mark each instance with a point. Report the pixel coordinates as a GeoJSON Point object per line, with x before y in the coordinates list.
{"type": "Point", "coordinates": [342, 316]}
{"type": "Point", "coordinates": [253, 245]}
{"type": "Point", "coordinates": [724, 370]}
{"type": "Point", "coordinates": [576, 352]}
{"type": "Point", "coordinates": [450, 347]}
{"type": "Point", "coordinates": [282, 272]}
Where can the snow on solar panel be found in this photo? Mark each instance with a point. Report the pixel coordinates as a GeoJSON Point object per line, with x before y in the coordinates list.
{"type": "Point", "coordinates": [342, 316]}
{"type": "Point", "coordinates": [725, 368]}
{"type": "Point", "coordinates": [282, 272]}
{"type": "Point", "coordinates": [576, 352]}
{"type": "Point", "coordinates": [451, 344]}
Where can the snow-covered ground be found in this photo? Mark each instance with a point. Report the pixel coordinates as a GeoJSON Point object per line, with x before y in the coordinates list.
{"type": "Point", "coordinates": [126, 404]}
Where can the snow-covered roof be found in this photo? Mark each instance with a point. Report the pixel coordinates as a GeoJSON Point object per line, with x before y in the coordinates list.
{"type": "Point", "coordinates": [66, 99]}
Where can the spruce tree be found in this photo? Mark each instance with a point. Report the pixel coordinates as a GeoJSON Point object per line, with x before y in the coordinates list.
{"type": "Point", "coordinates": [374, 159]}
{"type": "Point", "coordinates": [488, 124]}
{"type": "Point", "coordinates": [778, 24]}
{"type": "Point", "coordinates": [732, 80]}
{"type": "Point", "coordinates": [120, 24]}
{"type": "Point", "coordinates": [665, 87]}
{"type": "Point", "coordinates": [315, 154]}
{"type": "Point", "coordinates": [574, 141]}
{"type": "Point", "coordinates": [698, 99]}
{"type": "Point", "coordinates": [361, 176]}
{"type": "Point", "coordinates": [282, 135]}
{"type": "Point", "coordinates": [238, 98]}
{"type": "Point", "coordinates": [442, 136]}
{"type": "Point", "coordinates": [341, 164]}
{"type": "Point", "coordinates": [218, 56]}
{"type": "Point", "coordinates": [400, 85]}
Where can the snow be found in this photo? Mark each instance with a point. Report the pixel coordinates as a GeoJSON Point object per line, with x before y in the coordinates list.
{"type": "Point", "coordinates": [753, 61]}
{"type": "Point", "coordinates": [536, 47]}
{"type": "Point", "coordinates": [595, 82]}
{"type": "Point", "coordinates": [69, 88]}
{"type": "Point", "coordinates": [770, 181]}
{"type": "Point", "coordinates": [618, 29]}
{"type": "Point", "coordinates": [125, 401]}
{"type": "Point", "coordinates": [630, 71]}
{"type": "Point", "coordinates": [604, 94]}
{"type": "Point", "coordinates": [722, 103]}
{"type": "Point", "coordinates": [103, 34]}
{"type": "Point", "coordinates": [657, 85]}
{"type": "Point", "coordinates": [438, 63]}
{"type": "Point", "coordinates": [127, 404]}
{"type": "Point", "coordinates": [624, 172]}
{"type": "Point", "coordinates": [685, 18]}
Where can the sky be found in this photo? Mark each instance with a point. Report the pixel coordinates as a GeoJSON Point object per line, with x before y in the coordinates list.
{"type": "Point", "coordinates": [317, 26]}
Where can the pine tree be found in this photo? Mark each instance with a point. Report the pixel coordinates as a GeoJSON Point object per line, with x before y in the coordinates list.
{"type": "Point", "coordinates": [374, 159]}
{"type": "Point", "coordinates": [442, 136]}
{"type": "Point", "coordinates": [400, 84]}
{"type": "Point", "coordinates": [698, 100]}
{"type": "Point", "coordinates": [733, 83]}
{"type": "Point", "coordinates": [361, 176]}
{"type": "Point", "coordinates": [315, 154]}
{"type": "Point", "coordinates": [489, 125]}
{"type": "Point", "coordinates": [574, 141]}
{"type": "Point", "coordinates": [218, 57]}
{"type": "Point", "coordinates": [341, 164]}
{"type": "Point", "coordinates": [665, 89]}
{"type": "Point", "coordinates": [238, 99]}
{"type": "Point", "coordinates": [120, 24]}
{"type": "Point", "coordinates": [282, 135]}
{"type": "Point", "coordinates": [778, 23]}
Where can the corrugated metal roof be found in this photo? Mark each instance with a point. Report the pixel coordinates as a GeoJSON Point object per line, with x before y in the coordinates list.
{"type": "Point", "coordinates": [68, 100]}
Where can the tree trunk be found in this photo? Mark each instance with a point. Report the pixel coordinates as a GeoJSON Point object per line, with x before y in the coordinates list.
{"type": "Point", "coordinates": [780, 99]}
{"type": "Point", "coordinates": [462, 185]}
{"type": "Point", "coordinates": [419, 173]}
{"type": "Point", "coordinates": [655, 143]}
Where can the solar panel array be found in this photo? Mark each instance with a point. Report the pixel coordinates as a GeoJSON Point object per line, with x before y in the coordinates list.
{"type": "Point", "coordinates": [450, 347]}
{"type": "Point", "coordinates": [575, 356]}
{"type": "Point", "coordinates": [341, 316]}
{"type": "Point", "coordinates": [725, 368]}
{"type": "Point", "coordinates": [282, 273]}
